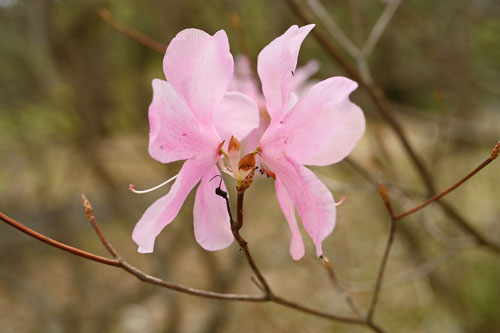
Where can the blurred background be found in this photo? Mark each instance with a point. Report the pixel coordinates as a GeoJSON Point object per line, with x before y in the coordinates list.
{"type": "Point", "coordinates": [74, 94]}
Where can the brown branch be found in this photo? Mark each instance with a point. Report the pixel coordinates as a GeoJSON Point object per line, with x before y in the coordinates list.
{"type": "Point", "coordinates": [57, 244]}
{"type": "Point", "coordinates": [131, 33]}
{"type": "Point", "coordinates": [445, 192]}
{"type": "Point", "coordinates": [244, 245]}
{"type": "Point", "coordinates": [383, 264]}
{"type": "Point", "coordinates": [461, 222]}
{"type": "Point", "coordinates": [300, 307]}
{"type": "Point", "coordinates": [261, 281]}
{"type": "Point", "coordinates": [119, 262]}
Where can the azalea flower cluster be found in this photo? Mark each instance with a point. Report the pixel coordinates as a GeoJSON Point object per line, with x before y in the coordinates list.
{"type": "Point", "coordinates": [193, 117]}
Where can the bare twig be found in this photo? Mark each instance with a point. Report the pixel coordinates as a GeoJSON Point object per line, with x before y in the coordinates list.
{"type": "Point", "coordinates": [461, 222]}
{"type": "Point", "coordinates": [119, 262]}
{"type": "Point", "coordinates": [357, 22]}
{"type": "Point", "coordinates": [261, 281]}
{"type": "Point", "coordinates": [131, 33]}
{"type": "Point", "coordinates": [320, 11]}
{"type": "Point", "coordinates": [383, 264]}
{"type": "Point", "coordinates": [57, 244]}
{"type": "Point", "coordinates": [445, 192]}
{"type": "Point", "coordinates": [244, 245]}
{"type": "Point", "coordinates": [378, 29]}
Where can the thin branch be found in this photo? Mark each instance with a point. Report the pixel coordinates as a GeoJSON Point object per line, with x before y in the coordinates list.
{"type": "Point", "coordinates": [119, 262]}
{"type": "Point", "coordinates": [357, 22]}
{"type": "Point", "coordinates": [300, 307]}
{"type": "Point", "coordinates": [244, 244]}
{"type": "Point", "coordinates": [57, 244]}
{"type": "Point", "coordinates": [378, 29]}
{"type": "Point", "coordinates": [461, 222]}
{"type": "Point", "coordinates": [333, 278]}
{"type": "Point", "coordinates": [262, 283]}
{"type": "Point", "coordinates": [383, 264]}
{"type": "Point", "coordinates": [320, 11]}
{"type": "Point", "coordinates": [445, 192]}
{"type": "Point", "coordinates": [89, 212]}
{"type": "Point", "coordinates": [235, 229]}
{"type": "Point", "coordinates": [131, 33]}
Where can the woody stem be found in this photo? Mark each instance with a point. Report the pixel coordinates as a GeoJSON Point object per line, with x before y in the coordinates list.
{"type": "Point", "coordinates": [235, 228]}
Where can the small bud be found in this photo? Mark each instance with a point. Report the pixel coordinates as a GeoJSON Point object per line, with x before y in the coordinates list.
{"type": "Point", "coordinates": [495, 151]}
{"type": "Point", "coordinates": [247, 162]}
{"type": "Point", "coordinates": [87, 207]}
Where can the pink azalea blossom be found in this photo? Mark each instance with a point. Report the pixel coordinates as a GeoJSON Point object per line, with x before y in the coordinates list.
{"type": "Point", "coordinates": [190, 116]}
{"type": "Point", "coordinates": [320, 128]}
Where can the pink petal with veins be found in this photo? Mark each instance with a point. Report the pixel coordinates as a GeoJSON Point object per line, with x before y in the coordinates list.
{"type": "Point", "coordinates": [313, 200]}
{"type": "Point", "coordinates": [322, 128]}
{"type": "Point", "coordinates": [200, 67]}
{"type": "Point", "coordinates": [276, 64]}
{"type": "Point", "coordinates": [286, 204]}
{"type": "Point", "coordinates": [211, 220]}
{"type": "Point", "coordinates": [175, 133]}
{"type": "Point", "coordinates": [165, 209]}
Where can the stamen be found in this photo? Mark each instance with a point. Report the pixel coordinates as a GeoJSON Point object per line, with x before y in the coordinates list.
{"type": "Point", "coordinates": [223, 152]}
{"type": "Point", "coordinates": [131, 186]}
{"type": "Point", "coordinates": [341, 201]}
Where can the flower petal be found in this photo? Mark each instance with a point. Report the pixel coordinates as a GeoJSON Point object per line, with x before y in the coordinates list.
{"type": "Point", "coordinates": [245, 81]}
{"type": "Point", "coordinates": [322, 128]}
{"type": "Point", "coordinates": [286, 204]}
{"type": "Point", "coordinates": [313, 200]}
{"type": "Point", "coordinates": [165, 209]}
{"type": "Point", "coordinates": [175, 133]}
{"type": "Point", "coordinates": [236, 115]}
{"type": "Point", "coordinates": [200, 67]}
{"type": "Point", "coordinates": [276, 65]}
{"type": "Point", "coordinates": [302, 79]}
{"type": "Point", "coordinates": [212, 228]}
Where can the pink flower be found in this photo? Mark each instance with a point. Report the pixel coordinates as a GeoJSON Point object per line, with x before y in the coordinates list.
{"type": "Point", "coordinates": [190, 116]}
{"type": "Point", "coordinates": [320, 128]}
